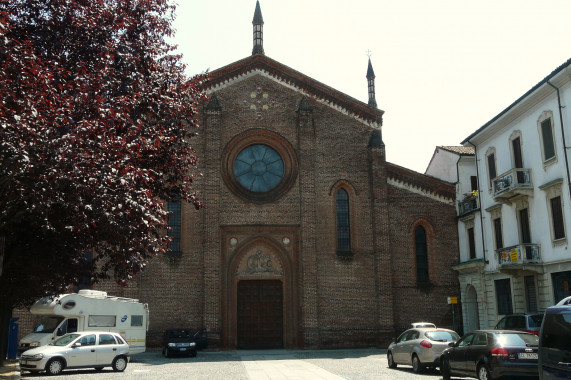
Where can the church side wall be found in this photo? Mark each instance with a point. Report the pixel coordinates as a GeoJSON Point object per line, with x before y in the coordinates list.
{"type": "Point", "coordinates": [423, 302]}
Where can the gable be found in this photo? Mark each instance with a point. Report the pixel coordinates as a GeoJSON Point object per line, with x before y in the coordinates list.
{"type": "Point", "coordinates": [287, 77]}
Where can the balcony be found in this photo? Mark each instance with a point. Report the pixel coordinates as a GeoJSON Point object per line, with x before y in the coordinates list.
{"type": "Point", "coordinates": [520, 259]}
{"type": "Point", "coordinates": [469, 204]}
{"type": "Point", "coordinates": [512, 183]}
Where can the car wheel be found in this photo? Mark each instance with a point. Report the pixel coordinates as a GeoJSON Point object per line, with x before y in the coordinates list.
{"type": "Point", "coordinates": [483, 372]}
{"type": "Point", "coordinates": [392, 363]}
{"type": "Point", "coordinates": [119, 364]}
{"type": "Point", "coordinates": [445, 369]}
{"type": "Point", "coordinates": [416, 364]}
{"type": "Point", "coordinates": [54, 367]}
{"type": "Point", "coordinates": [193, 354]}
{"type": "Point", "coordinates": [166, 353]}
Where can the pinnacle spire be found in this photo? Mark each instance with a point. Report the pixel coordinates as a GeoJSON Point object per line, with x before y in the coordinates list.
{"type": "Point", "coordinates": [258, 23]}
{"type": "Point", "coordinates": [371, 84]}
{"type": "Point", "coordinates": [370, 72]}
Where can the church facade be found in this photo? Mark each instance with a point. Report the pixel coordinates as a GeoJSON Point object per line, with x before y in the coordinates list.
{"type": "Point", "coordinates": [308, 238]}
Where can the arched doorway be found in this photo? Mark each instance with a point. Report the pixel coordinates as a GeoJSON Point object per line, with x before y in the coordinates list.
{"type": "Point", "coordinates": [260, 310]}
{"type": "Point", "coordinates": [471, 308]}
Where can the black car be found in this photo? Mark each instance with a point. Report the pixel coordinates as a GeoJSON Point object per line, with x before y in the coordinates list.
{"type": "Point", "coordinates": [179, 342]}
{"type": "Point", "coordinates": [492, 354]}
{"type": "Point", "coordinates": [555, 342]}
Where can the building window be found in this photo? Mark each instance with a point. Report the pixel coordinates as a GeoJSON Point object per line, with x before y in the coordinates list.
{"type": "Point", "coordinates": [498, 237]}
{"type": "Point", "coordinates": [471, 243]}
{"type": "Point", "coordinates": [343, 224]}
{"type": "Point", "coordinates": [174, 224]}
{"type": "Point", "coordinates": [491, 164]}
{"type": "Point", "coordinates": [473, 183]}
{"type": "Point", "coordinates": [421, 255]}
{"type": "Point", "coordinates": [504, 296]}
{"type": "Point", "coordinates": [259, 168]}
{"type": "Point", "coordinates": [557, 218]}
{"type": "Point", "coordinates": [545, 123]}
{"type": "Point", "coordinates": [530, 294]}
{"type": "Point", "coordinates": [524, 230]}
{"type": "Point", "coordinates": [561, 281]}
{"type": "Point", "coordinates": [554, 199]}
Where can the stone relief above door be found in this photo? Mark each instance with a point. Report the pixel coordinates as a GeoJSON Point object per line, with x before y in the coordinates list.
{"type": "Point", "coordinates": [260, 261]}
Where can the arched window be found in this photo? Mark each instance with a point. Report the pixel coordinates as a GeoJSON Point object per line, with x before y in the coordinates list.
{"type": "Point", "coordinates": [174, 223]}
{"type": "Point", "coordinates": [343, 226]}
{"type": "Point", "coordinates": [421, 255]}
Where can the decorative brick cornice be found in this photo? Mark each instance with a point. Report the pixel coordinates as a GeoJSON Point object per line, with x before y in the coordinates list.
{"type": "Point", "coordinates": [309, 87]}
{"type": "Point", "coordinates": [421, 184]}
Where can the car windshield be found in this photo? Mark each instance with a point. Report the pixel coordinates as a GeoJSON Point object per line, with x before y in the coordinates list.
{"type": "Point", "coordinates": [65, 340]}
{"type": "Point", "coordinates": [507, 340]}
{"type": "Point", "coordinates": [179, 334]}
{"type": "Point", "coordinates": [535, 320]}
{"type": "Point", "coordinates": [48, 324]}
{"type": "Point", "coordinates": [442, 336]}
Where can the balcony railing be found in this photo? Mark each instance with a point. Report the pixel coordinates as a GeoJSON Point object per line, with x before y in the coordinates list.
{"type": "Point", "coordinates": [519, 255]}
{"type": "Point", "coordinates": [468, 205]}
{"type": "Point", "coordinates": [513, 182]}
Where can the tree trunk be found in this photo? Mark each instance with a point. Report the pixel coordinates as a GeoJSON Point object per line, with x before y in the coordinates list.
{"type": "Point", "coordinates": [5, 315]}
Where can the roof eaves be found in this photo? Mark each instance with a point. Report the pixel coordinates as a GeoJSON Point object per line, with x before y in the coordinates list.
{"type": "Point", "coordinates": [545, 80]}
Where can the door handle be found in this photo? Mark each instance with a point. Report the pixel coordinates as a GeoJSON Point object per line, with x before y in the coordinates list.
{"type": "Point", "coordinates": [114, 349]}
{"type": "Point", "coordinates": [93, 350]}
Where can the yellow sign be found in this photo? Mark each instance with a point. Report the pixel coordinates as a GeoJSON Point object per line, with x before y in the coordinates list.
{"type": "Point", "coordinates": [452, 300]}
{"type": "Point", "coordinates": [514, 255]}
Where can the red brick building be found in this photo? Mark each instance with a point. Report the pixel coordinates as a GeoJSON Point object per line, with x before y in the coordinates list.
{"type": "Point", "coordinates": [309, 237]}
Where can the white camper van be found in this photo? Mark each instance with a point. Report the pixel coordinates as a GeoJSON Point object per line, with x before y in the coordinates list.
{"type": "Point", "coordinates": [88, 310]}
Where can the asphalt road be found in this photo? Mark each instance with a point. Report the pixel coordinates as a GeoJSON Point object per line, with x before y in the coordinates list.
{"type": "Point", "coordinates": [357, 364]}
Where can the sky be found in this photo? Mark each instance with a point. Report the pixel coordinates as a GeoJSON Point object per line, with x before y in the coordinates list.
{"type": "Point", "coordinates": [443, 67]}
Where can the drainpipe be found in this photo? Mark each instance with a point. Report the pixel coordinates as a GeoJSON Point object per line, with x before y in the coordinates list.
{"type": "Point", "coordinates": [480, 202]}
{"type": "Point", "coordinates": [456, 205]}
{"type": "Point", "coordinates": [563, 135]}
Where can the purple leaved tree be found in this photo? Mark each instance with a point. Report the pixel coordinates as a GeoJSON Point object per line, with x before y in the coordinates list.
{"type": "Point", "coordinates": [96, 118]}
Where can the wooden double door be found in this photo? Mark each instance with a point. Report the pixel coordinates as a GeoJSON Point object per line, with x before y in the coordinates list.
{"type": "Point", "coordinates": [260, 314]}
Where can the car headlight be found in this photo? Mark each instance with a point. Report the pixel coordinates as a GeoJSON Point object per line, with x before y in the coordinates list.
{"type": "Point", "coordinates": [35, 344]}
{"type": "Point", "coordinates": [172, 344]}
{"type": "Point", "coordinates": [192, 344]}
{"type": "Point", "coordinates": [35, 357]}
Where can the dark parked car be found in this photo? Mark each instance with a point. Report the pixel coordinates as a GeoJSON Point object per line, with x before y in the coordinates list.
{"type": "Point", "coordinates": [492, 354]}
{"type": "Point", "coordinates": [521, 322]}
{"type": "Point", "coordinates": [555, 342]}
{"type": "Point", "coordinates": [179, 342]}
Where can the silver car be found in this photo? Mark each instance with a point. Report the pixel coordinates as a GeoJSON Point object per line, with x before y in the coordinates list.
{"type": "Point", "coordinates": [420, 347]}
{"type": "Point", "coordinates": [87, 349]}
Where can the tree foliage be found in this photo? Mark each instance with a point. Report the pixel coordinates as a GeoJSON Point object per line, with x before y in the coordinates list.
{"type": "Point", "coordinates": [96, 117]}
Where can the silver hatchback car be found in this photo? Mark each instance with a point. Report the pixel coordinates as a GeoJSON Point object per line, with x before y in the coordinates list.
{"type": "Point", "coordinates": [87, 349]}
{"type": "Point", "coordinates": [420, 347]}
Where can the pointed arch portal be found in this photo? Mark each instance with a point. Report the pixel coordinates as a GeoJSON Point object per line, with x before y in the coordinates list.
{"type": "Point", "coordinates": [260, 292]}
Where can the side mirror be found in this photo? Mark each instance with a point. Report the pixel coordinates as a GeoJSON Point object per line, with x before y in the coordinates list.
{"type": "Point", "coordinates": [452, 344]}
{"type": "Point", "coordinates": [76, 344]}
{"type": "Point", "coordinates": [59, 331]}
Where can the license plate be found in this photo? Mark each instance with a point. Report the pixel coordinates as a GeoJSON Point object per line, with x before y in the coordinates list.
{"type": "Point", "coordinates": [184, 349]}
{"type": "Point", "coordinates": [527, 355]}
